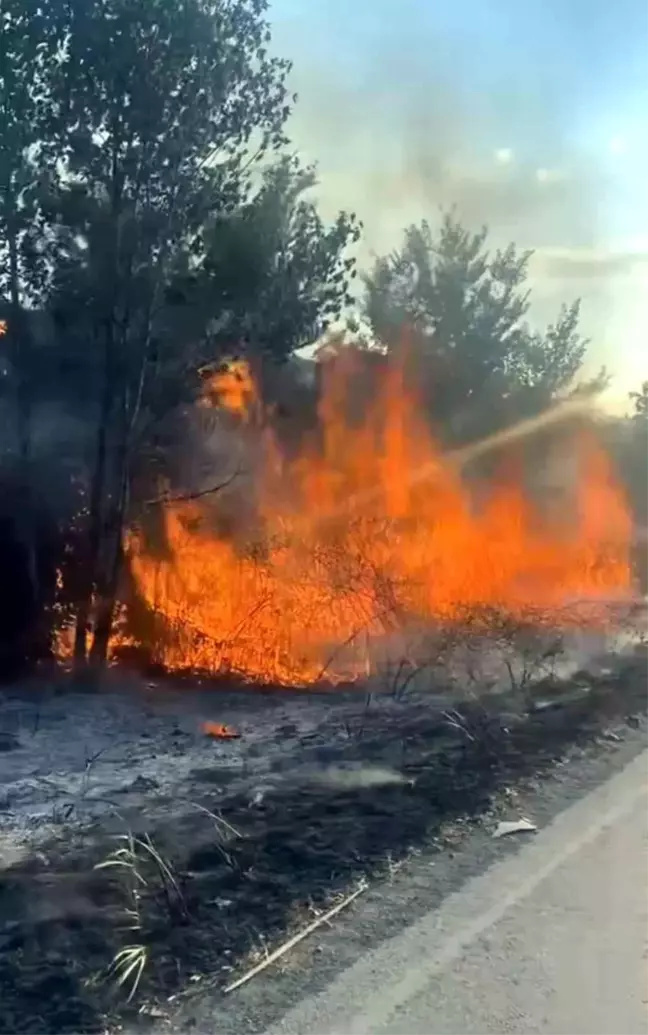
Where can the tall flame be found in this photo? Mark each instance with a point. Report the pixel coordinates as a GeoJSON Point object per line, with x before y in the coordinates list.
{"type": "Point", "coordinates": [353, 543]}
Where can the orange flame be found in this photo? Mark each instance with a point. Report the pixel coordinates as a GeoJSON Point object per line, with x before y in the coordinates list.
{"type": "Point", "coordinates": [355, 545]}
{"type": "Point", "coordinates": [218, 731]}
{"type": "Point", "coordinates": [233, 388]}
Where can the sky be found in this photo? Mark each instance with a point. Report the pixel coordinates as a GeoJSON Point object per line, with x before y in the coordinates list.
{"type": "Point", "coordinates": [529, 116]}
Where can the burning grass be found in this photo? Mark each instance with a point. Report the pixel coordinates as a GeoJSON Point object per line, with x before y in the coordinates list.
{"type": "Point", "coordinates": [328, 561]}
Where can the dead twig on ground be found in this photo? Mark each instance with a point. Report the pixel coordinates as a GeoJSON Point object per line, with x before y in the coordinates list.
{"type": "Point", "coordinates": [297, 938]}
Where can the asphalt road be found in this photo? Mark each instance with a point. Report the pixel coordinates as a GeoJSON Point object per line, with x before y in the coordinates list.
{"type": "Point", "coordinates": [551, 939]}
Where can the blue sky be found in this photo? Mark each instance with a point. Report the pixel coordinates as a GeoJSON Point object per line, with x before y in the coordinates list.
{"type": "Point", "coordinates": [529, 115]}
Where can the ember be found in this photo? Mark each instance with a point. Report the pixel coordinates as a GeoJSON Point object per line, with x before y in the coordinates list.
{"type": "Point", "coordinates": [219, 731]}
{"type": "Point", "coordinates": [350, 546]}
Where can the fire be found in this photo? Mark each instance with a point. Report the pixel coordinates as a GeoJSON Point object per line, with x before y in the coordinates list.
{"type": "Point", "coordinates": [351, 545]}
{"type": "Point", "coordinates": [233, 388]}
{"type": "Point", "coordinates": [218, 731]}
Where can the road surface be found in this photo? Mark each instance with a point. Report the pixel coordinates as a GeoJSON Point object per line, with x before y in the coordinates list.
{"type": "Point", "coordinates": [553, 939]}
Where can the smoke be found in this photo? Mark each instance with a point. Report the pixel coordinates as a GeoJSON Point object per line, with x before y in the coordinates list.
{"type": "Point", "coordinates": [409, 108]}
{"type": "Point", "coordinates": [61, 444]}
{"type": "Point", "coordinates": [355, 777]}
{"type": "Point", "coordinates": [216, 458]}
{"type": "Point", "coordinates": [415, 135]}
{"type": "Point", "coordinates": [585, 264]}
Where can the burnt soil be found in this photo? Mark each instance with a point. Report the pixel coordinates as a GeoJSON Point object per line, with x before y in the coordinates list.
{"type": "Point", "coordinates": [412, 774]}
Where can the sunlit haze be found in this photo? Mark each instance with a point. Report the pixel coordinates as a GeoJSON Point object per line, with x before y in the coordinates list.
{"type": "Point", "coordinates": [529, 117]}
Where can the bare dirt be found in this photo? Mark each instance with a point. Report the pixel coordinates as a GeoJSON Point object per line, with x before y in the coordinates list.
{"type": "Point", "coordinates": [319, 790]}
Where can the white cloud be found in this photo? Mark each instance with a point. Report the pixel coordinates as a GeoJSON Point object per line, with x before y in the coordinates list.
{"type": "Point", "coordinates": [504, 155]}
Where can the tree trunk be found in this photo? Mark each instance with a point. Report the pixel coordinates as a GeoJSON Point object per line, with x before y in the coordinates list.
{"type": "Point", "coordinates": [105, 608]}
{"type": "Point", "coordinates": [98, 497]}
{"type": "Point", "coordinates": [95, 516]}
{"type": "Point", "coordinates": [107, 597]}
{"type": "Point", "coordinates": [19, 338]}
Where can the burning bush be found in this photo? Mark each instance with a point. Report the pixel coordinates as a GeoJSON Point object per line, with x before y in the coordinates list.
{"type": "Point", "coordinates": [368, 531]}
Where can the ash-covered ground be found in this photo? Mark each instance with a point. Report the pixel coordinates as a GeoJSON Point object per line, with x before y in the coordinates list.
{"type": "Point", "coordinates": [251, 835]}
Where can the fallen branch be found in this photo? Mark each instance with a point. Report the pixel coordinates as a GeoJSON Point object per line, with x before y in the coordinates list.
{"type": "Point", "coordinates": [297, 938]}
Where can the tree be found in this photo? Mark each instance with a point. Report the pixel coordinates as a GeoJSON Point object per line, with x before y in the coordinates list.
{"type": "Point", "coordinates": [639, 402]}
{"type": "Point", "coordinates": [178, 233]}
{"type": "Point", "coordinates": [163, 104]}
{"type": "Point", "coordinates": [262, 280]}
{"type": "Point", "coordinates": [269, 276]}
{"type": "Point", "coordinates": [463, 312]}
{"type": "Point", "coordinates": [29, 44]}
{"type": "Point", "coordinates": [634, 451]}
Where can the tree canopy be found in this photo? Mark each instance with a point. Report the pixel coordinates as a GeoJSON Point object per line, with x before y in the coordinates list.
{"type": "Point", "coordinates": [464, 312]}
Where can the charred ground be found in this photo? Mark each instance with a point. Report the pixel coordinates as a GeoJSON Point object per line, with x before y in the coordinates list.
{"type": "Point", "coordinates": [319, 791]}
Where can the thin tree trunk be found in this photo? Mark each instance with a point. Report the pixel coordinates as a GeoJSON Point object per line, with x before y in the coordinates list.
{"type": "Point", "coordinates": [105, 604]}
{"type": "Point", "coordinates": [19, 333]}
{"type": "Point", "coordinates": [94, 583]}
{"type": "Point", "coordinates": [95, 516]}
{"type": "Point", "coordinates": [105, 607]}
{"type": "Point", "coordinates": [108, 585]}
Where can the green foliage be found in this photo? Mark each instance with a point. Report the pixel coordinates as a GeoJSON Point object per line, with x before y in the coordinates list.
{"type": "Point", "coordinates": [464, 310]}
{"type": "Point", "coordinates": [637, 459]}
{"type": "Point", "coordinates": [162, 102]}
{"type": "Point", "coordinates": [269, 276]}
{"type": "Point", "coordinates": [172, 116]}
{"type": "Point", "coordinates": [639, 402]}
{"type": "Point", "coordinates": [29, 45]}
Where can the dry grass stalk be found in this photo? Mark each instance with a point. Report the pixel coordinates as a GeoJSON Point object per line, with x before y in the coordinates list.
{"type": "Point", "coordinates": [297, 938]}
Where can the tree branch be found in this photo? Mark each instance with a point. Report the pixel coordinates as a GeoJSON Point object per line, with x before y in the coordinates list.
{"type": "Point", "coordinates": [185, 498]}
